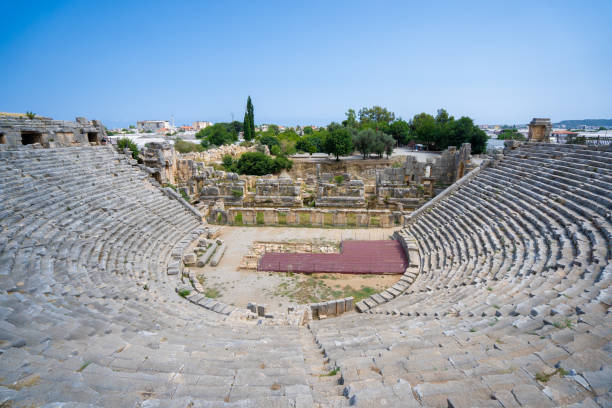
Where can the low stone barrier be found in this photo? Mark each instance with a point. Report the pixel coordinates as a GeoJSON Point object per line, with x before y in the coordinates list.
{"type": "Point", "coordinates": [311, 217]}
{"type": "Point", "coordinates": [331, 308]}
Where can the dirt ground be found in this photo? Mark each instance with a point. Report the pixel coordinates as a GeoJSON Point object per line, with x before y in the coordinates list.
{"type": "Point", "coordinates": [279, 290]}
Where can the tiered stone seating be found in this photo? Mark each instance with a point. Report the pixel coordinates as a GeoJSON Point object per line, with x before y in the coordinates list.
{"type": "Point", "coordinates": [514, 286]}
{"type": "Point", "coordinates": [88, 312]}
{"type": "Point", "coordinates": [510, 306]}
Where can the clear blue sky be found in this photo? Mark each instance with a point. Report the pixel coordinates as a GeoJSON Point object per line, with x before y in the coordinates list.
{"type": "Point", "coordinates": [306, 62]}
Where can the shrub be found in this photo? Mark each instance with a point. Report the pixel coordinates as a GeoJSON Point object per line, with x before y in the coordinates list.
{"type": "Point", "coordinates": [183, 146]}
{"type": "Point", "coordinates": [228, 162]}
{"type": "Point", "coordinates": [260, 218]}
{"type": "Point", "coordinates": [269, 141]}
{"type": "Point", "coordinates": [275, 150]}
{"type": "Point", "coordinates": [184, 195]}
{"type": "Point", "coordinates": [126, 142]}
{"type": "Point", "coordinates": [339, 179]}
{"type": "Point", "coordinates": [184, 292]}
{"type": "Point", "coordinates": [259, 164]}
{"type": "Point", "coordinates": [237, 193]}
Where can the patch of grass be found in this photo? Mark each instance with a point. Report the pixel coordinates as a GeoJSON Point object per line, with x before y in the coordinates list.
{"type": "Point", "coordinates": [305, 218]}
{"type": "Point", "coordinates": [259, 218]}
{"type": "Point", "coordinates": [566, 324]}
{"type": "Point", "coordinates": [333, 372]}
{"type": "Point", "coordinates": [472, 330]}
{"type": "Point", "coordinates": [359, 294]}
{"type": "Point", "coordinates": [84, 366]}
{"type": "Point", "coordinates": [238, 218]}
{"type": "Point", "coordinates": [543, 377]}
{"type": "Point", "coordinates": [212, 293]}
{"type": "Point", "coordinates": [184, 292]}
{"type": "Point", "coordinates": [489, 288]}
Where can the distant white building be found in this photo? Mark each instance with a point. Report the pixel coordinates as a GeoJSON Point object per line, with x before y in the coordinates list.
{"type": "Point", "coordinates": [201, 124]}
{"type": "Point", "coordinates": [152, 125]}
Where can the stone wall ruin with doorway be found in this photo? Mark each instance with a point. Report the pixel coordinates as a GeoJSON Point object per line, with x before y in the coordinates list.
{"type": "Point", "coordinates": [18, 131]}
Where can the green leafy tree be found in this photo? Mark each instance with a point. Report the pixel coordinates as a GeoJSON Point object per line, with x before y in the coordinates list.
{"type": "Point", "coordinates": [339, 142]}
{"type": "Point", "coordinates": [423, 127]}
{"type": "Point", "coordinates": [443, 117]}
{"type": "Point", "coordinates": [376, 114]}
{"type": "Point", "coordinates": [400, 130]}
{"type": "Point", "coordinates": [511, 134]}
{"type": "Point", "coordinates": [351, 119]}
{"type": "Point", "coordinates": [364, 141]}
{"type": "Point", "coordinates": [269, 140]}
{"type": "Point", "coordinates": [308, 130]}
{"type": "Point", "coordinates": [217, 134]}
{"type": "Point", "coordinates": [388, 142]}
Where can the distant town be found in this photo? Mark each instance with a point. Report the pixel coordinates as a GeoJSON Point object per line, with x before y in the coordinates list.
{"type": "Point", "coordinates": [146, 131]}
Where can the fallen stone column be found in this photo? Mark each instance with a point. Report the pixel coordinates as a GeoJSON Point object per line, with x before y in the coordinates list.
{"type": "Point", "coordinates": [204, 258]}
{"type": "Point", "coordinates": [217, 257]}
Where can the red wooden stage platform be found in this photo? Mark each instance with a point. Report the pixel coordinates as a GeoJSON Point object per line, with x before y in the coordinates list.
{"type": "Point", "coordinates": [362, 257]}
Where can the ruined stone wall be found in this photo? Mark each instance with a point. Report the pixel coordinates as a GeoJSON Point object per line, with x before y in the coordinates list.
{"type": "Point", "coordinates": [412, 183]}
{"type": "Point", "coordinates": [46, 132]}
{"type": "Point", "coordinates": [160, 160]}
{"type": "Point", "coordinates": [361, 169]}
{"type": "Point", "coordinates": [452, 164]}
{"type": "Point", "coordinates": [216, 155]}
{"type": "Point", "coordinates": [224, 186]}
{"type": "Point", "coordinates": [280, 191]}
{"type": "Point", "coordinates": [539, 130]}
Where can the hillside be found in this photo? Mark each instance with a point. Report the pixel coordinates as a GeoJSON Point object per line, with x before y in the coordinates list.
{"type": "Point", "coordinates": [571, 124]}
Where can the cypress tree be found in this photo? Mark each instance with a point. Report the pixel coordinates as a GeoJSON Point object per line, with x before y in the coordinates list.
{"type": "Point", "coordinates": [251, 116]}
{"type": "Point", "coordinates": [247, 128]}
